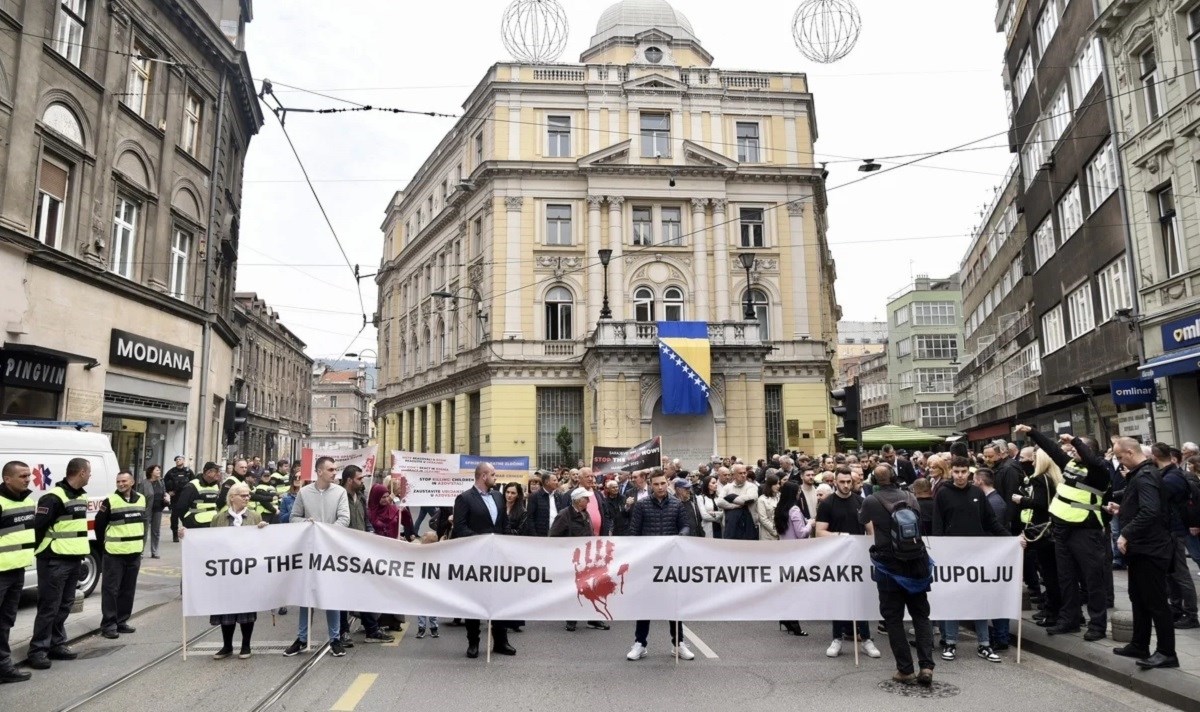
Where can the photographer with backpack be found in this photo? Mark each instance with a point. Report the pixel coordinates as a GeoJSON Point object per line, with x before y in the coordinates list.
{"type": "Point", "coordinates": [902, 573]}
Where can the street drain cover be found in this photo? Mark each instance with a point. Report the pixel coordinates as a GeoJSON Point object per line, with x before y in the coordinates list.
{"type": "Point", "coordinates": [100, 652]}
{"type": "Point", "coordinates": [937, 690]}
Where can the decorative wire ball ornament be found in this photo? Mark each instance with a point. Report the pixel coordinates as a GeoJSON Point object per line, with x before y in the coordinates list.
{"type": "Point", "coordinates": [534, 30]}
{"type": "Point", "coordinates": [826, 30]}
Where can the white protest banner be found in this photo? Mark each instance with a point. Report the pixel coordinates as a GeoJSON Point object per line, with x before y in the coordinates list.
{"type": "Point", "coordinates": [434, 480]}
{"type": "Point", "coordinates": [615, 578]}
{"type": "Point", "coordinates": [363, 458]}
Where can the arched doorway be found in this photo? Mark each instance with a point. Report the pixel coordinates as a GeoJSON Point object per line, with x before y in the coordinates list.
{"type": "Point", "coordinates": [690, 438]}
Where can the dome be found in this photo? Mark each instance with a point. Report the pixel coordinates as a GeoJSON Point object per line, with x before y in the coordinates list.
{"type": "Point", "coordinates": [631, 17]}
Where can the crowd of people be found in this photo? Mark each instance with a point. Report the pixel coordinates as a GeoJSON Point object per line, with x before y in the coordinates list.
{"type": "Point", "coordinates": [1080, 514]}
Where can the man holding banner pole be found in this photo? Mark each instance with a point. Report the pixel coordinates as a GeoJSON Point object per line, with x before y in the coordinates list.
{"type": "Point", "coordinates": [660, 514]}
{"type": "Point", "coordinates": [479, 510]}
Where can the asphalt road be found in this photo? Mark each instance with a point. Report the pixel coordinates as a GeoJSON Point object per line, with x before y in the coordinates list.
{"type": "Point", "coordinates": [748, 666]}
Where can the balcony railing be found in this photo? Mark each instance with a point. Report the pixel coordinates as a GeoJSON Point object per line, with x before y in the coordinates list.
{"type": "Point", "coordinates": [636, 333]}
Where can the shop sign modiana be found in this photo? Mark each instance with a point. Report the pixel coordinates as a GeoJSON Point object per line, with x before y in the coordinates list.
{"type": "Point", "coordinates": [145, 354]}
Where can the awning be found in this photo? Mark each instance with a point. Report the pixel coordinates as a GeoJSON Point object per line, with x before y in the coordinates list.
{"type": "Point", "coordinates": [897, 435]}
{"type": "Point", "coordinates": [990, 431]}
{"type": "Point", "coordinates": [1172, 364]}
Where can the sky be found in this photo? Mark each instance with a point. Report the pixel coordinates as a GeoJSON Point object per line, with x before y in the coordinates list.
{"type": "Point", "coordinates": [916, 83]}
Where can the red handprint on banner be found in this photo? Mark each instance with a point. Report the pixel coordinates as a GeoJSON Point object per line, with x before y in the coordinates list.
{"type": "Point", "coordinates": [593, 579]}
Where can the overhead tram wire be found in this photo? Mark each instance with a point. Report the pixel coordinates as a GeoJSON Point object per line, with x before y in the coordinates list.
{"type": "Point", "coordinates": [280, 111]}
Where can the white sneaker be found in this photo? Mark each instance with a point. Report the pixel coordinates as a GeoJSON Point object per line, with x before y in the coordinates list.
{"type": "Point", "coordinates": [868, 647]}
{"type": "Point", "coordinates": [685, 653]}
{"type": "Point", "coordinates": [834, 649]}
{"type": "Point", "coordinates": [637, 652]}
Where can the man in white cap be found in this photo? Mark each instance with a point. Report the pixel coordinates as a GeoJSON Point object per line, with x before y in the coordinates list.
{"type": "Point", "coordinates": [575, 521]}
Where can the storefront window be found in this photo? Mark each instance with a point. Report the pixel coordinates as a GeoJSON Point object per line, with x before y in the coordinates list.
{"type": "Point", "coordinates": [28, 404]}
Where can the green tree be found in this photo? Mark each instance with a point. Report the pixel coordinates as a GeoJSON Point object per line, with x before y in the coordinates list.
{"type": "Point", "coordinates": [565, 441]}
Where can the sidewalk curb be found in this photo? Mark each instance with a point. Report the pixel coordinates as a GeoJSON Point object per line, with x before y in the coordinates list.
{"type": "Point", "coordinates": [1170, 687]}
{"type": "Point", "coordinates": [80, 626]}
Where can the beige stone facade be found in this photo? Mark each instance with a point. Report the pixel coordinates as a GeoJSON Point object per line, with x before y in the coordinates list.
{"type": "Point", "coordinates": [342, 409]}
{"type": "Point", "coordinates": [125, 131]}
{"type": "Point", "coordinates": [677, 167]}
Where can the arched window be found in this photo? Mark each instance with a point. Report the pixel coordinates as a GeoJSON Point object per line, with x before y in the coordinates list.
{"type": "Point", "coordinates": [559, 312]}
{"type": "Point", "coordinates": [643, 304]}
{"type": "Point", "coordinates": [60, 118]}
{"type": "Point", "coordinates": [673, 304]}
{"type": "Point", "coordinates": [762, 312]}
{"type": "Point", "coordinates": [403, 357]}
{"type": "Point", "coordinates": [333, 423]}
{"type": "Point", "coordinates": [441, 340]}
{"type": "Point", "coordinates": [428, 347]}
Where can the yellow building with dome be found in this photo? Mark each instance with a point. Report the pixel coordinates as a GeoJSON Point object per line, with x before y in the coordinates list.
{"type": "Point", "coordinates": [685, 172]}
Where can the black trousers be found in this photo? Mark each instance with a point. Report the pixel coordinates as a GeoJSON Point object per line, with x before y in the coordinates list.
{"type": "Point", "coordinates": [370, 622]}
{"type": "Point", "coordinates": [1148, 594]}
{"type": "Point", "coordinates": [174, 524]}
{"type": "Point", "coordinates": [1080, 558]}
{"type": "Point", "coordinates": [57, 581]}
{"type": "Point", "coordinates": [641, 632]}
{"type": "Point", "coordinates": [1047, 562]}
{"type": "Point", "coordinates": [11, 583]}
{"type": "Point", "coordinates": [892, 601]}
{"type": "Point", "coordinates": [499, 632]}
{"type": "Point", "coordinates": [118, 589]}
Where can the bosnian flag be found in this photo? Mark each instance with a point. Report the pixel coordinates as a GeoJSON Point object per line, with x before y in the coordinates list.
{"type": "Point", "coordinates": [686, 365]}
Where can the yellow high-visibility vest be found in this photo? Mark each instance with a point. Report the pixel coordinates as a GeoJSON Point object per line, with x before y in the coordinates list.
{"type": "Point", "coordinates": [68, 535]}
{"type": "Point", "coordinates": [126, 530]}
{"type": "Point", "coordinates": [16, 533]}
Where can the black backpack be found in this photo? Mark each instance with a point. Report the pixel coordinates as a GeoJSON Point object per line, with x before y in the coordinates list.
{"type": "Point", "coordinates": [907, 544]}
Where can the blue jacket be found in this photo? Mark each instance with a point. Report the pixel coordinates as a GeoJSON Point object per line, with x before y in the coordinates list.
{"type": "Point", "coordinates": [285, 508]}
{"type": "Point", "coordinates": [652, 517]}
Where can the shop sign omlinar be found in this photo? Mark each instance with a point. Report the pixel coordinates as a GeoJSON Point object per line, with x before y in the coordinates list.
{"type": "Point", "coordinates": [145, 354]}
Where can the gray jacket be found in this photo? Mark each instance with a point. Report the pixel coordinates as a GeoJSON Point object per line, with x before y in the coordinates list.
{"type": "Point", "coordinates": [330, 506]}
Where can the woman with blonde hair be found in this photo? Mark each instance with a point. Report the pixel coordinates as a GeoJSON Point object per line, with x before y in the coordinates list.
{"type": "Point", "coordinates": [236, 513]}
{"type": "Point", "coordinates": [1034, 500]}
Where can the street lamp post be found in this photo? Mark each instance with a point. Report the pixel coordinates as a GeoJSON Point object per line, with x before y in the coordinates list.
{"type": "Point", "coordinates": [747, 260]}
{"type": "Point", "coordinates": [476, 296]}
{"type": "Point", "coordinates": [605, 256]}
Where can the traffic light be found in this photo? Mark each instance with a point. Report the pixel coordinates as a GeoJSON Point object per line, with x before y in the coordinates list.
{"type": "Point", "coordinates": [848, 411]}
{"type": "Point", "coordinates": [236, 418]}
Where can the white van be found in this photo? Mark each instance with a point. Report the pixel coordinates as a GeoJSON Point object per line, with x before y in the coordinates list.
{"type": "Point", "coordinates": [47, 449]}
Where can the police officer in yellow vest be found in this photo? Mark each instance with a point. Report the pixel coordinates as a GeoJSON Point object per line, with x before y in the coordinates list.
{"type": "Point", "coordinates": [121, 532]}
{"type": "Point", "coordinates": [1078, 529]}
{"type": "Point", "coordinates": [240, 469]}
{"type": "Point", "coordinates": [61, 534]}
{"type": "Point", "coordinates": [263, 498]}
{"type": "Point", "coordinates": [280, 479]}
{"type": "Point", "coordinates": [16, 552]}
{"type": "Point", "coordinates": [197, 502]}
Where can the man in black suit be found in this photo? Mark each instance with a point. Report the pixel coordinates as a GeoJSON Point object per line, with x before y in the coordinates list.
{"type": "Point", "coordinates": [479, 510]}
{"type": "Point", "coordinates": [906, 474]}
{"type": "Point", "coordinates": [545, 506]}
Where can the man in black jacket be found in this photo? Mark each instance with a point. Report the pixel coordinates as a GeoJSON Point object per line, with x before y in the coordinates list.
{"type": "Point", "coordinates": [1078, 529]}
{"type": "Point", "coordinates": [1146, 543]}
{"type": "Point", "coordinates": [1008, 477]}
{"type": "Point", "coordinates": [545, 506]}
{"type": "Point", "coordinates": [477, 511]}
{"type": "Point", "coordinates": [1182, 586]}
{"type": "Point", "coordinates": [174, 481]}
{"type": "Point", "coordinates": [906, 474]}
{"type": "Point", "coordinates": [612, 507]}
{"type": "Point", "coordinates": [660, 514]}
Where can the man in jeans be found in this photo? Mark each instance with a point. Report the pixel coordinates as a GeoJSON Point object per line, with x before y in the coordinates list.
{"type": "Point", "coordinates": [901, 584]}
{"type": "Point", "coordinates": [352, 482]}
{"type": "Point", "coordinates": [321, 501]}
{"type": "Point", "coordinates": [961, 509]}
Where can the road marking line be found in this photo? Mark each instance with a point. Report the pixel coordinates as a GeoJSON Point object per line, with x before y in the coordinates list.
{"type": "Point", "coordinates": [695, 639]}
{"type": "Point", "coordinates": [354, 694]}
{"type": "Point", "coordinates": [399, 636]}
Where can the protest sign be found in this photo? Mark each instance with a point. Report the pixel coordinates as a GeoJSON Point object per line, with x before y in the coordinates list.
{"type": "Point", "coordinates": [434, 480]}
{"type": "Point", "coordinates": [606, 460]}
{"type": "Point", "coordinates": [613, 578]}
{"type": "Point", "coordinates": [363, 458]}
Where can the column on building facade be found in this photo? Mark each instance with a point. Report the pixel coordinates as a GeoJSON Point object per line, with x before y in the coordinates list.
{"type": "Point", "coordinates": [721, 257]}
{"type": "Point", "coordinates": [700, 258]}
{"type": "Point", "coordinates": [402, 419]}
{"type": "Point", "coordinates": [616, 290]}
{"type": "Point", "coordinates": [595, 272]}
{"type": "Point", "coordinates": [512, 268]}
{"type": "Point", "coordinates": [797, 282]}
{"type": "Point", "coordinates": [447, 444]}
